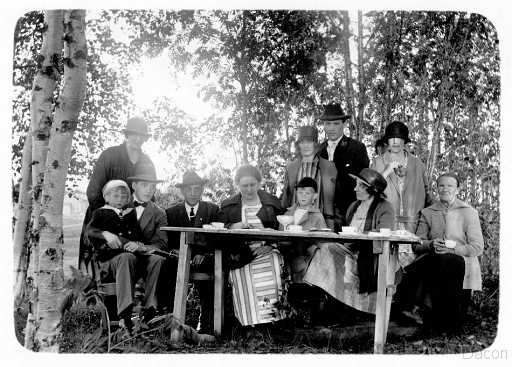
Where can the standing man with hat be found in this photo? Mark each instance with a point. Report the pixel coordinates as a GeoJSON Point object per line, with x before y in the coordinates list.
{"type": "Point", "coordinates": [304, 165]}
{"type": "Point", "coordinates": [194, 212]}
{"type": "Point", "coordinates": [340, 156]}
{"type": "Point", "coordinates": [118, 162]}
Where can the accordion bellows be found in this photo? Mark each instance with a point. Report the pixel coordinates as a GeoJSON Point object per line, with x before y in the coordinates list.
{"type": "Point", "coordinates": [256, 289]}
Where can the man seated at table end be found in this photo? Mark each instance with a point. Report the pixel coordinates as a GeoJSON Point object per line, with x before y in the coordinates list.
{"type": "Point", "coordinates": [194, 212]}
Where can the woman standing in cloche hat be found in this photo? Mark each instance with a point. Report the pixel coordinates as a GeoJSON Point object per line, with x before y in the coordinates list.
{"type": "Point", "coordinates": [407, 187]}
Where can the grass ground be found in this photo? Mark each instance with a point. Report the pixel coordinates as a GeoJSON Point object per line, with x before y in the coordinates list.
{"type": "Point", "coordinates": [82, 333]}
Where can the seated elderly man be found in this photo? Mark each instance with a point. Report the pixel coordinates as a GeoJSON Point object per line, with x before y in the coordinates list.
{"type": "Point", "coordinates": [451, 241]}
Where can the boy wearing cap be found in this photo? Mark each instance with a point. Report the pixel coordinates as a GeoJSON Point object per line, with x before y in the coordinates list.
{"type": "Point", "coordinates": [114, 220]}
{"type": "Point", "coordinates": [305, 211]}
{"type": "Point", "coordinates": [307, 215]}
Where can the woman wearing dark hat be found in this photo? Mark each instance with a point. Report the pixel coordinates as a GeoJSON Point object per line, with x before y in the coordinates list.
{"type": "Point", "coordinates": [304, 165]}
{"type": "Point", "coordinates": [253, 262]}
{"type": "Point", "coordinates": [348, 271]}
{"type": "Point", "coordinates": [407, 191]}
{"type": "Point", "coordinates": [407, 187]}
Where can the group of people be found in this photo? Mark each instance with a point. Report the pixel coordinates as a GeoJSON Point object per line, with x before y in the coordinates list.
{"type": "Point", "coordinates": [328, 185]}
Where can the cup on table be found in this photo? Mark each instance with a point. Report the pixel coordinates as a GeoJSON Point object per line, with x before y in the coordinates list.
{"type": "Point", "coordinates": [348, 229]}
{"type": "Point", "coordinates": [285, 220]}
{"type": "Point", "coordinates": [294, 228]}
{"type": "Point", "coordinates": [450, 243]}
{"type": "Point", "coordinates": [385, 230]}
{"type": "Point", "coordinates": [217, 225]}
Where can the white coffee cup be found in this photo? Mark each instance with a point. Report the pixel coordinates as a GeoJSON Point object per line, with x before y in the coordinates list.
{"type": "Point", "coordinates": [450, 243]}
{"type": "Point", "coordinates": [218, 225]}
{"type": "Point", "coordinates": [348, 229]}
{"type": "Point", "coordinates": [294, 228]}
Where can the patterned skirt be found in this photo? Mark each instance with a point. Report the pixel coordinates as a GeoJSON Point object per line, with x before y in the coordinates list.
{"type": "Point", "coordinates": [334, 269]}
{"type": "Point", "coordinates": [256, 289]}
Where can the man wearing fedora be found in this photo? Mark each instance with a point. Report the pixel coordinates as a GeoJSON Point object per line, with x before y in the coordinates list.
{"type": "Point", "coordinates": [150, 217]}
{"type": "Point", "coordinates": [115, 163]}
{"type": "Point", "coordinates": [194, 212]}
{"type": "Point", "coordinates": [340, 156]}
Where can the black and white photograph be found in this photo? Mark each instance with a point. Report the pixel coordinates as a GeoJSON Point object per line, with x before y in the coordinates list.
{"type": "Point", "coordinates": [243, 180]}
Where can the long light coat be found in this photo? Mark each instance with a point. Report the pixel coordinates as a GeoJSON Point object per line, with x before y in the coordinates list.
{"type": "Point", "coordinates": [459, 223]}
{"type": "Point", "coordinates": [415, 195]}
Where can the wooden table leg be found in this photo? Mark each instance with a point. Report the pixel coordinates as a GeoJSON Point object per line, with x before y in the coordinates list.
{"type": "Point", "coordinates": [390, 285]}
{"type": "Point", "coordinates": [380, 310]}
{"type": "Point", "coordinates": [218, 309]}
{"type": "Point", "coordinates": [180, 293]}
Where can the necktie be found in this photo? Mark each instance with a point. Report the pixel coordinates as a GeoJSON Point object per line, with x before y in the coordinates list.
{"type": "Point", "coordinates": [136, 204]}
{"type": "Point", "coordinates": [192, 214]}
{"type": "Point", "coordinates": [331, 147]}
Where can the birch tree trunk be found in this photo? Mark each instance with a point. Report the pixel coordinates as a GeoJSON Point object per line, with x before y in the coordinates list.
{"type": "Point", "coordinates": [50, 274]}
{"type": "Point", "coordinates": [349, 89]}
{"type": "Point", "coordinates": [41, 112]}
{"type": "Point", "coordinates": [360, 75]}
{"type": "Point", "coordinates": [243, 84]}
{"type": "Point", "coordinates": [21, 227]}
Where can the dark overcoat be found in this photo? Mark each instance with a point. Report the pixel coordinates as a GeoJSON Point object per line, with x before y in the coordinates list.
{"type": "Point", "coordinates": [350, 156]}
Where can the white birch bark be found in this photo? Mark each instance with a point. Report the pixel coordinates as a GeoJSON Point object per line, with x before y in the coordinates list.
{"type": "Point", "coordinates": [41, 112]}
{"type": "Point", "coordinates": [50, 274]}
{"type": "Point", "coordinates": [21, 226]}
{"type": "Point", "coordinates": [349, 89]}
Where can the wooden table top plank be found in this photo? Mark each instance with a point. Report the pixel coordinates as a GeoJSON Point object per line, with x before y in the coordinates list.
{"type": "Point", "coordinates": [270, 234]}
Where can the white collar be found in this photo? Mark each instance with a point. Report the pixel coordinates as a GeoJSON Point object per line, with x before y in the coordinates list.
{"type": "Point", "coordinates": [334, 143]}
{"type": "Point", "coordinates": [136, 199]}
{"type": "Point", "coordinates": [118, 211]}
{"type": "Point", "coordinates": [188, 207]}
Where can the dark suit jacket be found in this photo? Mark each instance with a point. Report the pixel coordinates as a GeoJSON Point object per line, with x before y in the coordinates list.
{"type": "Point", "coordinates": [104, 219]}
{"type": "Point", "coordinates": [350, 156]}
{"type": "Point", "coordinates": [177, 217]}
{"type": "Point", "coordinates": [153, 217]}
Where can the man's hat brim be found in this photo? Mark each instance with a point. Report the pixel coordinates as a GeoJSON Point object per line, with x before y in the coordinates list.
{"type": "Point", "coordinates": [183, 184]}
{"type": "Point", "coordinates": [130, 131]}
{"type": "Point", "coordinates": [334, 117]}
{"type": "Point", "coordinates": [145, 178]}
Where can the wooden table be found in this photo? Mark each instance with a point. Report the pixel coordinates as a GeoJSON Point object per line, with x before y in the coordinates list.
{"type": "Point", "coordinates": [386, 246]}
